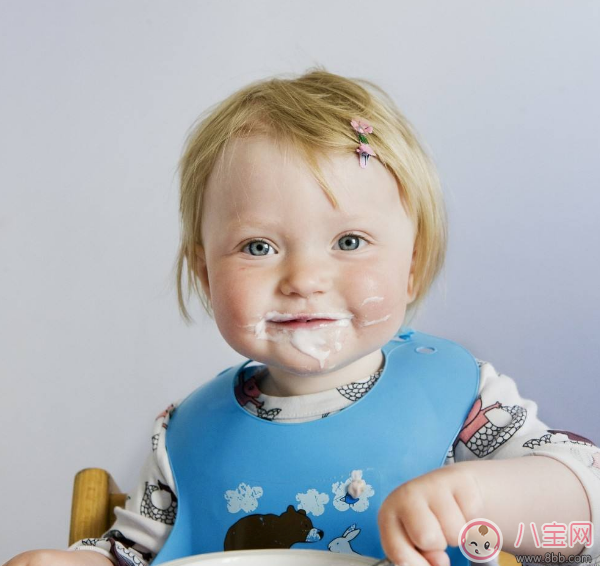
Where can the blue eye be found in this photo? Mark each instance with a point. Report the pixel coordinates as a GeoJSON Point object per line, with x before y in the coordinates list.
{"type": "Point", "coordinates": [350, 242]}
{"type": "Point", "coordinates": [259, 246]}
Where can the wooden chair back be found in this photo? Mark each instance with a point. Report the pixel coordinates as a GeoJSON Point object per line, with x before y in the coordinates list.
{"type": "Point", "coordinates": [95, 495]}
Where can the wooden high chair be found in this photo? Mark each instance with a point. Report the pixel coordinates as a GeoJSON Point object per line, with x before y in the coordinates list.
{"type": "Point", "coordinates": [95, 495]}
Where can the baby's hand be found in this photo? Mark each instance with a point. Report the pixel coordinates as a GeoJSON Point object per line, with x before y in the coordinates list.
{"type": "Point", "coordinates": [421, 517]}
{"type": "Point", "coordinates": [59, 558]}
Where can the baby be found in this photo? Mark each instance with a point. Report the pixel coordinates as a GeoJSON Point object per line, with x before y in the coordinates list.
{"type": "Point", "coordinates": [312, 227]}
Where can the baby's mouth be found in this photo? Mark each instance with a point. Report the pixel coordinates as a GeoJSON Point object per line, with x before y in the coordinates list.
{"type": "Point", "coordinates": [311, 323]}
{"type": "Point", "coordinates": [307, 321]}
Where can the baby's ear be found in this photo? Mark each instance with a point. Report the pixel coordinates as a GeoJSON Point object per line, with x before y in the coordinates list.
{"type": "Point", "coordinates": [411, 291]}
{"type": "Point", "coordinates": [200, 268]}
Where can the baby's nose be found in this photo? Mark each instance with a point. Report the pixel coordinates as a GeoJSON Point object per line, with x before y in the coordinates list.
{"type": "Point", "coordinates": [306, 276]}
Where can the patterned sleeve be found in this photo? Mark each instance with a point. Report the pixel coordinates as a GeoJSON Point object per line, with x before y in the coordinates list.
{"type": "Point", "coordinates": [501, 424]}
{"type": "Point", "coordinates": [141, 529]}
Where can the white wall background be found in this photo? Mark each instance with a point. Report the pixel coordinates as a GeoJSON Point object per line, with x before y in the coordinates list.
{"type": "Point", "coordinates": [96, 99]}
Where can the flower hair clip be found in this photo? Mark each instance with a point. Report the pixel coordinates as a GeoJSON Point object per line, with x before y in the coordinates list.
{"type": "Point", "coordinates": [364, 149]}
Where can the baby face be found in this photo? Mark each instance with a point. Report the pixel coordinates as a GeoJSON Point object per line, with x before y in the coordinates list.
{"type": "Point", "coordinates": [276, 252]}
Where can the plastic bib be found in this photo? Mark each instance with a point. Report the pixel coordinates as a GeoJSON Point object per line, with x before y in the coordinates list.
{"type": "Point", "coordinates": [245, 482]}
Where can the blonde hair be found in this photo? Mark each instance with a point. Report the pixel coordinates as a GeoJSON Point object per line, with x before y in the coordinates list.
{"type": "Point", "coordinates": [312, 114]}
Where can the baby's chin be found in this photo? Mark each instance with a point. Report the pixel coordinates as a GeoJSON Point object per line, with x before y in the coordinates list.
{"type": "Point", "coordinates": [300, 364]}
{"type": "Point", "coordinates": [306, 370]}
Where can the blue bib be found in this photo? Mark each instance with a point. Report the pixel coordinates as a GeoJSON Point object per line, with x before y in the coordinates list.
{"type": "Point", "coordinates": [245, 482]}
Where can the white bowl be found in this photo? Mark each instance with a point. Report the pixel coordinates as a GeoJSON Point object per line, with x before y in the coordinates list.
{"type": "Point", "coordinates": [273, 557]}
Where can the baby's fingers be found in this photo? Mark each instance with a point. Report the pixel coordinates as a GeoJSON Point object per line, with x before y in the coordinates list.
{"type": "Point", "coordinates": [437, 557]}
{"type": "Point", "coordinates": [396, 543]}
{"type": "Point", "coordinates": [423, 529]}
{"type": "Point", "coordinates": [450, 515]}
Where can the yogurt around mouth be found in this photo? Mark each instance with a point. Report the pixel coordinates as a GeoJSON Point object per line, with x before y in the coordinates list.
{"type": "Point", "coordinates": [315, 338]}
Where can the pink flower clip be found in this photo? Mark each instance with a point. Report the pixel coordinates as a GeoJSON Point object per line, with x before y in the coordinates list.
{"type": "Point", "coordinates": [362, 127]}
{"type": "Point", "coordinates": [364, 149]}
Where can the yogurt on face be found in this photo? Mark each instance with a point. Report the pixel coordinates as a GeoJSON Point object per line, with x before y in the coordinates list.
{"type": "Point", "coordinates": [372, 300]}
{"type": "Point", "coordinates": [369, 322]}
{"type": "Point", "coordinates": [312, 338]}
{"type": "Point", "coordinates": [315, 338]}
{"type": "Point", "coordinates": [309, 341]}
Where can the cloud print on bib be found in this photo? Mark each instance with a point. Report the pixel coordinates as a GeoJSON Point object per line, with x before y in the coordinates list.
{"type": "Point", "coordinates": [312, 502]}
{"type": "Point", "coordinates": [244, 498]}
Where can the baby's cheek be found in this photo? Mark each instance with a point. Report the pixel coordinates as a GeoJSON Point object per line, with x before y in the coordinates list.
{"type": "Point", "coordinates": [232, 301]}
{"type": "Point", "coordinates": [375, 298]}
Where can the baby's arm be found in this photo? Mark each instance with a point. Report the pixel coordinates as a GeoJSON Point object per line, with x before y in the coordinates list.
{"type": "Point", "coordinates": [140, 529]}
{"type": "Point", "coordinates": [58, 558]}
{"type": "Point", "coordinates": [530, 490]}
{"type": "Point", "coordinates": [561, 484]}
{"type": "Point", "coordinates": [492, 480]}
